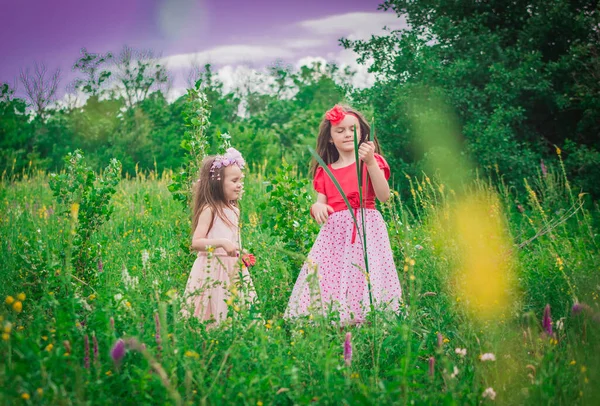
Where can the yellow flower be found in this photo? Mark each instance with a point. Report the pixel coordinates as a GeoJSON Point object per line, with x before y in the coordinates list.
{"type": "Point", "coordinates": [583, 369]}
{"type": "Point", "coordinates": [446, 340]}
{"type": "Point", "coordinates": [17, 306]}
{"type": "Point", "coordinates": [20, 328]}
{"type": "Point", "coordinates": [236, 308]}
{"type": "Point", "coordinates": [49, 347]}
{"type": "Point", "coordinates": [558, 151]}
{"type": "Point", "coordinates": [573, 362]}
{"type": "Point", "coordinates": [9, 300]}
{"type": "Point", "coordinates": [74, 210]}
{"type": "Point", "coordinates": [192, 354]}
{"type": "Point", "coordinates": [259, 403]}
{"type": "Point", "coordinates": [21, 296]}
{"type": "Point", "coordinates": [7, 327]}
{"type": "Point", "coordinates": [127, 304]}
{"type": "Point", "coordinates": [25, 396]}
{"type": "Point", "coordinates": [108, 373]}
{"type": "Point", "coordinates": [92, 297]}
{"type": "Point", "coordinates": [412, 277]}
{"type": "Point", "coordinates": [5, 336]}
{"type": "Point", "coordinates": [40, 391]}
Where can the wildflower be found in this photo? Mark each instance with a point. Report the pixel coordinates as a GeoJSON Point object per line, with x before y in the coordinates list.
{"type": "Point", "coordinates": [40, 391]}
{"type": "Point", "coordinates": [461, 351]}
{"type": "Point", "coordinates": [5, 336]}
{"type": "Point", "coordinates": [348, 349]}
{"type": "Point", "coordinates": [547, 321]}
{"type": "Point", "coordinates": [418, 247]}
{"type": "Point", "coordinates": [440, 340]}
{"type": "Point", "coordinates": [8, 327]}
{"type": "Point", "coordinates": [145, 258]}
{"type": "Point", "coordinates": [578, 308]}
{"type": "Point", "coordinates": [17, 306]}
{"type": "Point", "coordinates": [118, 351]}
{"type": "Point", "coordinates": [96, 353]}
{"type": "Point", "coordinates": [573, 362]}
{"type": "Point", "coordinates": [543, 167]}
{"type": "Point", "coordinates": [192, 354]}
{"type": "Point", "coordinates": [455, 372]}
{"type": "Point", "coordinates": [112, 323]}
{"type": "Point", "coordinates": [92, 297]}
{"type": "Point", "coordinates": [25, 396]}
{"type": "Point", "coordinates": [9, 300]}
{"type": "Point", "coordinates": [49, 347]}
{"type": "Point", "coordinates": [489, 393]}
{"type": "Point", "coordinates": [249, 260]}
{"type": "Point", "coordinates": [100, 265]}
{"type": "Point", "coordinates": [21, 296]}
{"type": "Point", "coordinates": [86, 358]}
{"type": "Point", "coordinates": [488, 356]}
{"type": "Point", "coordinates": [67, 346]}
{"type": "Point", "coordinates": [431, 366]}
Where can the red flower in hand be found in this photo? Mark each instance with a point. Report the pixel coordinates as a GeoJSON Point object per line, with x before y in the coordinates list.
{"type": "Point", "coordinates": [335, 115]}
{"type": "Point", "coordinates": [248, 260]}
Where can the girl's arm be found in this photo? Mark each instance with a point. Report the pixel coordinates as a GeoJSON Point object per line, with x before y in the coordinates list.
{"type": "Point", "coordinates": [366, 152]}
{"type": "Point", "coordinates": [321, 210]}
{"type": "Point", "coordinates": [199, 240]}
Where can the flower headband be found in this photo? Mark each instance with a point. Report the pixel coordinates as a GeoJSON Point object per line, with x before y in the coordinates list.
{"type": "Point", "coordinates": [336, 114]}
{"type": "Point", "coordinates": [231, 157]}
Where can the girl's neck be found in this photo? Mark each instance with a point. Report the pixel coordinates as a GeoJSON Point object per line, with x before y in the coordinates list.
{"type": "Point", "coordinates": [346, 158]}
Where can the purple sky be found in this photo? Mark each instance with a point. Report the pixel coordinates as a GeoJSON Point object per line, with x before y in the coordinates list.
{"type": "Point", "coordinates": [54, 31]}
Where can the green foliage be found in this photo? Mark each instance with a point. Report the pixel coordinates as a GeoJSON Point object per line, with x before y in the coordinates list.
{"type": "Point", "coordinates": [289, 195]}
{"type": "Point", "coordinates": [519, 77]}
{"type": "Point", "coordinates": [85, 197]}
{"type": "Point", "coordinates": [196, 118]}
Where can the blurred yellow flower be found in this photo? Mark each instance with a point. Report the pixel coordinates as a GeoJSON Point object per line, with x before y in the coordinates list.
{"type": "Point", "coordinates": [21, 296]}
{"type": "Point", "coordinates": [7, 327]}
{"type": "Point", "coordinates": [40, 391]}
{"type": "Point", "coordinates": [92, 297]}
{"type": "Point", "coordinates": [5, 336]}
{"type": "Point", "coordinates": [192, 354]}
{"type": "Point", "coordinates": [9, 300]}
{"type": "Point", "coordinates": [49, 347]}
{"type": "Point", "coordinates": [25, 396]}
{"type": "Point", "coordinates": [17, 306]}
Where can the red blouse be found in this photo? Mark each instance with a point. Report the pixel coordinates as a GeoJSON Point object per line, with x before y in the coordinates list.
{"type": "Point", "coordinates": [346, 177]}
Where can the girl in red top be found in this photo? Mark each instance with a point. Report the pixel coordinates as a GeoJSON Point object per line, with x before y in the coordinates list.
{"type": "Point", "coordinates": [334, 277]}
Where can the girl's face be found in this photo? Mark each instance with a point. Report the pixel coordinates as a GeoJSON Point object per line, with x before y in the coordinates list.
{"type": "Point", "coordinates": [342, 134]}
{"type": "Point", "coordinates": [233, 182]}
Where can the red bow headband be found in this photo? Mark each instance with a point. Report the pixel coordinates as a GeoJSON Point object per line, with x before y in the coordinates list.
{"type": "Point", "coordinates": [336, 114]}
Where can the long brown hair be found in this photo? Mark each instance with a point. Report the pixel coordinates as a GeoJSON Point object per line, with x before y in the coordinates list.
{"type": "Point", "coordinates": [327, 151]}
{"type": "Point", "coordinates": [208, 192]}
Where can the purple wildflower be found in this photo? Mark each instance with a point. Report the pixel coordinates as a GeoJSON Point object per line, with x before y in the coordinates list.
{"type": "Point", "coordinates": [579, 308]}
{"type": "Point", "coordinates": [95, 341]}
{"type": "Point", "coordinates": [544, 171]}
{"type": "Point", "coordinates": [440, 340]}
{"type": "Point", "coordinates": [100, 265]}
{"type": "Point", "coordinates": [112, 323]}
{"type": "Point", "coordinates": [431, 366]}
{"type": "Point", "coordinates": [547, 321]}
{"type": "Point", "coordinates": [86, 359]}
{"type": "Point", "coordinates": [118, 351]}
{"type": "Point", "coordinates": [348, 349]}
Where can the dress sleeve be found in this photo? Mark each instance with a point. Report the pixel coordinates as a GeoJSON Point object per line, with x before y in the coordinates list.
{"type": "Point", "coordinates": [319, 180]}
{"type": "Point", "coordinates": [382, 163]}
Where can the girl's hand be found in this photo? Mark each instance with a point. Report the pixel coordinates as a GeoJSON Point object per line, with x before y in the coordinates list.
{"type": "Point", "coordinates": [366, 152]}
{"type": "Point", "coordinates": [231, 248]}
{"type": "Point", "coordinates": [321, 212]}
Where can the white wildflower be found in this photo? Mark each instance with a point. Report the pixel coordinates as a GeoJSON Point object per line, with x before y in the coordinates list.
{"type": "Point", "coordinates": [454, 372]}
{"type": "Point", "coordinates": [488, 356]}
{"type": "Point", "coordinates": [461, 351]}
{"type": "Point", "coordinates": [129, 281]}
{"type": "Point", "coordinates": [489, 393]}
{"type": "Point", "coordinates": [145, 258]}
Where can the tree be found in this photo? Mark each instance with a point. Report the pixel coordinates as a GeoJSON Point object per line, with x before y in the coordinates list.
{"type": "Point", "coordinates": [94, 76]}
{"type": "Point", "coordinates": [40, 87]}
{"type": "Point", "coordinates": [138, 72]}
{"type": "Point", "coordinates": [511, 71]}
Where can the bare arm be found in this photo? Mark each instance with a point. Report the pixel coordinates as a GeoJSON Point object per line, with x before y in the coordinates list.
{"type": "Point", "coordinates": [366, 152]}
{"type": "Point", "coordinates": [321, 210]}
{"type": "Point", "coordinates": [199, 240]}
{"type": "Point", "coordinates": [380, 184]}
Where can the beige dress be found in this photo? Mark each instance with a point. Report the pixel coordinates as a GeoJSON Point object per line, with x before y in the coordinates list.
{"type": "Point", "coordinates": [214, 275]}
